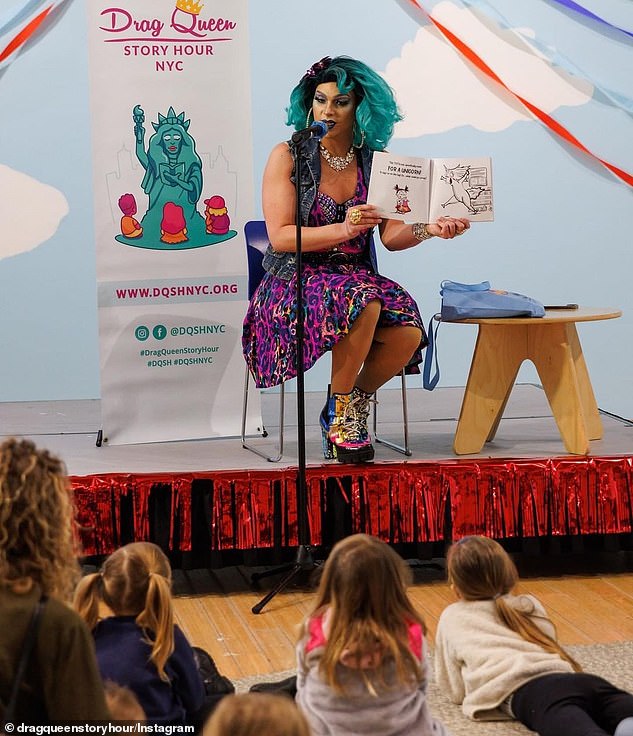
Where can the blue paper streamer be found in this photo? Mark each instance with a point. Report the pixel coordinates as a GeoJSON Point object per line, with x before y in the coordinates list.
{"type": "Point", "coordinates": [622, 102]}
{"type": "Point", "coordinates": [21, 15]}
{"type": "Point", "coordinates": [571, 5]}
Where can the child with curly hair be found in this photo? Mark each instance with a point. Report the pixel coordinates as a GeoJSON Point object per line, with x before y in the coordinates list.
{"type": "Point", "coordinates": [38, 566]}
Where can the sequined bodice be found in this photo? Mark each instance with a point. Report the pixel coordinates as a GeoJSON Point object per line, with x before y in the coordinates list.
{"type": "Point", "coordinates": [326, 211]}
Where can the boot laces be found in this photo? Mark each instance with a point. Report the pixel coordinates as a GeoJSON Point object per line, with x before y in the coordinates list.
{"type": "Point", "coordinates": [361, 404]}
{"type": "Point", "coordinates": [355, 415]}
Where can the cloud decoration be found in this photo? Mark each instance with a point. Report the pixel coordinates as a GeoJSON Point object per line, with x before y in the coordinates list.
{"type": "Point", "coordinates": [438, 90]}
{"type": "Point", "coordinates": [30, 212]}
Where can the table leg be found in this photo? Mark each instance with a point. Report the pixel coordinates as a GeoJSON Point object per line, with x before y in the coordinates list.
{"type": "Point", "coordinates": [552, 354]}
{"type": "Point", "coordinates": [502, 408]}
{"type": "Point", "coordinates": [498, 355]}
{"type": "Point", "coordinates": [593, 423]}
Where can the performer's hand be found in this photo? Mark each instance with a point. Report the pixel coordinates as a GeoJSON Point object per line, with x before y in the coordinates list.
{"type": "Point", "coordinates": [448, 227]}
{"type": "Point", "coordinates": [359, 219]}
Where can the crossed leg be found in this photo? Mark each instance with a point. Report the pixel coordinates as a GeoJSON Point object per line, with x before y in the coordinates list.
{"type": "Point", "coordinates": [368, 355]}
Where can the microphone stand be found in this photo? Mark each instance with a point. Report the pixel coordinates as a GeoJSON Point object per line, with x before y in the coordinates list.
{"type": "Point", "coordinates": [304, 559]}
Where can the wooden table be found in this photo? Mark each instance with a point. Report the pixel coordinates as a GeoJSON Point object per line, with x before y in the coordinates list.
{"type": "Point", "coordinates": [551, 343]}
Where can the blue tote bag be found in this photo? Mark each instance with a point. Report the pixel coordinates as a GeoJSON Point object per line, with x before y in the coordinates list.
{"type": "Point", "coordinates": [473, 301]}
{"type": "Point", "coordinates": [477, 301]}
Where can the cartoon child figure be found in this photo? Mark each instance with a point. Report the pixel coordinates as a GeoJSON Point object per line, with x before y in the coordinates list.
{"type": "Point", "coordinates": [216, 216]}
{"type": "Point", "coordinates": [402, 199]}
{"type": "Point", "coordinates": [173, 227]}
{"type": "Point", "coordinates": [130, 226]}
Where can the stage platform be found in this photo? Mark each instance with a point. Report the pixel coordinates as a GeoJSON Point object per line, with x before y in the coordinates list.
{"type": "Point", "coordinates": [212, 496]}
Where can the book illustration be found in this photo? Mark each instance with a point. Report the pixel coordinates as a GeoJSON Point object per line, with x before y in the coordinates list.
{"type": "Point", "coordinates": [416, 189]}
{"type": "Point", "coordinates": [402, 199]}
{"type": "Point", "coordinates": [470, 187]}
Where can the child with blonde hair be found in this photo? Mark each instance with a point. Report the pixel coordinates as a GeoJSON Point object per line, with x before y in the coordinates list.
{"type": "Point", "coordinates": [139, 646]}
{"type": "Point", "coordinates": [362, 655]}
{"type": "Point", "coordinates": [256, 714]}
{"type": "Point", "coordinates": [497, 654]}
{"type": "Point", "coordinates": [38, 571]}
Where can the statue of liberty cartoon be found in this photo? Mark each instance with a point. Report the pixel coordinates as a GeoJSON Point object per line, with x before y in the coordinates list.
{"type": "Point", "coordinates": [173, 175]}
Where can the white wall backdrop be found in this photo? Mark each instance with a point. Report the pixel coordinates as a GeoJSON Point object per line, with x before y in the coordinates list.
{"type": "Point", "coordinates": [562, 229]}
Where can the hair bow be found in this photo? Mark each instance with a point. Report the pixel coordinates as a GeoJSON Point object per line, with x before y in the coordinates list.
{"type": "Point", "coordinates": [318, 67]}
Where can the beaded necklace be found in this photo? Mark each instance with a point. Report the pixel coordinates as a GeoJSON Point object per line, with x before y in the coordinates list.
{"type": "Point", "coordinates": [338, 163]}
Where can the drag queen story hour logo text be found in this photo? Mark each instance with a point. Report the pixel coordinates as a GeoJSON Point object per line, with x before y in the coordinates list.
{"type": "Point", "coordinates": [181, 31]}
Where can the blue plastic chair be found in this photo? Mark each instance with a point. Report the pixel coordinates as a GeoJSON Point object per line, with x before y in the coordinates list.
{"type": "Point", "coordinates": [257, 241]}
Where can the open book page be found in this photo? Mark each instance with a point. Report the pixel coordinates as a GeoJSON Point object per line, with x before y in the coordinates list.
{"type": "Point", "coordinates": [461, 187]}
{"type": "Point", "coordinates": [399, 186]}
{"type": "Point", "coordinates": [415, 189]}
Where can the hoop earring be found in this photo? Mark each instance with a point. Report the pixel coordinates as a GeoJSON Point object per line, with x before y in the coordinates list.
{"type": "Point", "coordinates": [362, 137]}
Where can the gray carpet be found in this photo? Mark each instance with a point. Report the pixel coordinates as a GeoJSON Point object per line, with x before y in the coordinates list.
{"type": "Point", "coordinates": [612, 661]}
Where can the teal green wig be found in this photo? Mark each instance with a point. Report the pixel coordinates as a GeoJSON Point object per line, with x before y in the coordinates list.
{"type": "Point", "coordinates": [376, 109]}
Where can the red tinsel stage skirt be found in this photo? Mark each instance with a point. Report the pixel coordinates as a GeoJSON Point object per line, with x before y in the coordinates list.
{"type": "Point", "coordinates": [405, 502]}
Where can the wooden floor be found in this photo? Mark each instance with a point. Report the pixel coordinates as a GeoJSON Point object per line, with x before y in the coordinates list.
{"type": "Point", "coordinates": [216, 614]}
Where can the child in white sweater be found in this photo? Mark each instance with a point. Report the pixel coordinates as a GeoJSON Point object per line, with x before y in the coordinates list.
{"type": "Point", "coordinates": [497, 654]}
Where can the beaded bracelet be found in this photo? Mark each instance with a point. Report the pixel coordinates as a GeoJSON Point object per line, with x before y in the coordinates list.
{"type": "Point", "coordinates": [420, 232]}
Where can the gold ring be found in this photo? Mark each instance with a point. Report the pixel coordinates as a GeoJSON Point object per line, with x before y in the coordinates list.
{"type": "Point", "coordinates": [355, 216]}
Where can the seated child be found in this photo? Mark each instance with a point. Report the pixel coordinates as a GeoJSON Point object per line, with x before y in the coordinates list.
{"type": "Point", "coordinates": [130, 226]}
{"type": "Point", "coordinates": [216, 216]}
{"type": "Point", "coordinates": [362, 659]}
{"type": "Point", "coordinates": [139, 646]}
{"type": "Point", "coordinates": [256, 714]}
{"type": "Point", "coordinates": [173, 226]}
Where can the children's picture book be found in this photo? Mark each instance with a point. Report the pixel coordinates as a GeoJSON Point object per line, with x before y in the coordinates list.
{"type": "Point", "coordinates": [416, 189]}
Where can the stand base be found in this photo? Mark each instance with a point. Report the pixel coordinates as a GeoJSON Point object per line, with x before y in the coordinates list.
{"type": "Point", "coordinates": [304, 562]}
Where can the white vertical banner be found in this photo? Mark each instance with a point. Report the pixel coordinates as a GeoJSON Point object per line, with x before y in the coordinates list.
{"type": "Point", "coordinates": [172, 159]}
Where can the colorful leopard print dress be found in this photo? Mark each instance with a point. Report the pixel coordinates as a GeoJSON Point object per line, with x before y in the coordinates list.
{"type": "Point", "coordinates": [336, 288]}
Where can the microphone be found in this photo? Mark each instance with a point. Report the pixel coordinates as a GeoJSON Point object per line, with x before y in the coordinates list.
{"type": "Point", "coordinates": [317, 130]}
